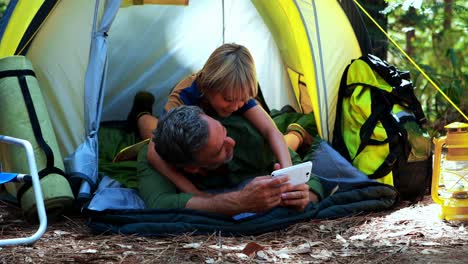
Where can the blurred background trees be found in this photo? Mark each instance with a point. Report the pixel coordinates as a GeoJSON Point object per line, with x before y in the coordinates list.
{"type": "Point", "coordinates": [3, 5]}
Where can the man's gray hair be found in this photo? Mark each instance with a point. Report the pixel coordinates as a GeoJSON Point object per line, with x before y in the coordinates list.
{"type": "Point", "coordinates": [180, 134]}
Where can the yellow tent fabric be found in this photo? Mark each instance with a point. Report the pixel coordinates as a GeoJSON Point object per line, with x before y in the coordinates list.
{"type": "Point", "coordinates": [19, 22]}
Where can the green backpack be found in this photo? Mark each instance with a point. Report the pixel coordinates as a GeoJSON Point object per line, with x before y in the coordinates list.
{"type": "Point", "coordinates": [379, 126]}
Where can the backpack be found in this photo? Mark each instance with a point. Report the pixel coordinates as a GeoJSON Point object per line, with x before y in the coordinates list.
{"type": "Point", "coordinates": [379, 126]}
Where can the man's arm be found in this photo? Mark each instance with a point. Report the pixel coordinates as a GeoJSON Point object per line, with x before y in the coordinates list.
{"type": "Point", "coordinates": [261, 194]}
{"type": "Point", "coordinates": [170, 172]}
{"type": "Point", "coordinates": [156, 190]}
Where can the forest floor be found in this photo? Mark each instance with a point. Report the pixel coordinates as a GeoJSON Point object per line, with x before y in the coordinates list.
{"type": "Point", "coordinates": [410, 233]}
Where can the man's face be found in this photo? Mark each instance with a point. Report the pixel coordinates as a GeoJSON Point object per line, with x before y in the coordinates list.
{"type": "Point", "coordinates": [219, 149]}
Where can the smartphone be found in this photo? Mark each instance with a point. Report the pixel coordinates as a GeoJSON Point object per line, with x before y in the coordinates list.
{"type": "Point", "coordinates": [298, 174]}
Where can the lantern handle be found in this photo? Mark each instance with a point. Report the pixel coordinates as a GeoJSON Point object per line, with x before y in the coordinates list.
{"type": "Point", "coordinates": [438, 143]}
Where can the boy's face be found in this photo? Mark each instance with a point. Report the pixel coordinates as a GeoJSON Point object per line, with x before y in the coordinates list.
{"type": "Point", "coordinates": [224, 104]}
{"type": "Point", "coordinates": [219, 149]}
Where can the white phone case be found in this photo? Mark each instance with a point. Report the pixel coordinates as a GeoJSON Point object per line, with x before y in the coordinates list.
{"type": "Point", "coordinates": [298, 174]}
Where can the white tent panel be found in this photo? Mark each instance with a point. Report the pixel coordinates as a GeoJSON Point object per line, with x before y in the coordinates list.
{"type": "Point", "coordinates": [245, 26]}
{"type": "Point", "coordinates": [153, 47]}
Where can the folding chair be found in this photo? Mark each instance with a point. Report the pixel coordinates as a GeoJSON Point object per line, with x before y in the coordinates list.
{"type": "Point", "coordinates": [34, 177]}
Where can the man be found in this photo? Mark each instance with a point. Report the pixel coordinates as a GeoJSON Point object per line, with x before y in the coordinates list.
{"type": "Point", "coordinates": [227, 157]}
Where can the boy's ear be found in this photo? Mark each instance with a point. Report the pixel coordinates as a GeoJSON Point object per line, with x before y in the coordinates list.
{"type": "Point", "coordinates": [191, 169]}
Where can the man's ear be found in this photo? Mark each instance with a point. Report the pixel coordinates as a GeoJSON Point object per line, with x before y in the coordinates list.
{"type": "Point", "coordinates": [191, 169]}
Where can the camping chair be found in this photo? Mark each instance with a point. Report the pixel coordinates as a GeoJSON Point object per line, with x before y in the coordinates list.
{"type": "Point", "coordinates": [34, 177]}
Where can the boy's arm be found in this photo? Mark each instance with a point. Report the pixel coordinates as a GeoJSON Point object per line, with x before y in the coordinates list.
{"type": "Point", "coordinates": [170, 172]}
{"type": "Point", "coordinates": [263, 122]}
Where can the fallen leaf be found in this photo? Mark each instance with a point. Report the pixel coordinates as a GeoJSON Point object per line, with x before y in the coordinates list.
{"type": "Point", "coordinates": [89, 251]}
{"type": "Point", "coordinates": [209, 260]}
{"type": "Point", "coordinates": [192, 245]}
{"type": "Point", "coordinates": [359, 245]}
{"type": "Point", "coordinates": [153, 249]}
{"type": "Point", "coordinates": [124, 246]}
{"type": "Point", "coordinates": [396, 234]}
{"type": "Point", "coordinates": [359, 237]}
{"type": "Point", "coordinates": [323, 254]}
{"type": "Point", "coordinates": [262, 255]}
{"type": "Point", "coordinates": [241, 256]}
{"type": "Point", "coordinates": [267, 255]}
{"type": "Point", "coordinates": [313, 244]}
{"type": "Point", "coordinates": [227, 248]}
{"type": "Point", "coordinates": [252, 248]}
{"type": "Point", "coordinates": [429, 244]}
{"type": "Point", "coordinates": [61, 233]}
{"type": "Point", "coordinates": [430, 251]}
{"type": "Point", "coordinates": [301, 249]}
{"type": "Point", "coordinates": [342, 240]}
{"type": "Point", "coordinates": [282, 255]}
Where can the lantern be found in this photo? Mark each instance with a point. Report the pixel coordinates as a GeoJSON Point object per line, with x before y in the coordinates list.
{"type": "Point", "coordinates": [450, 174]}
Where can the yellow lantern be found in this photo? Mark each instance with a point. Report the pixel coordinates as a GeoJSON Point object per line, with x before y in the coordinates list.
{"type": "Point", "coordinates": [450, 174]}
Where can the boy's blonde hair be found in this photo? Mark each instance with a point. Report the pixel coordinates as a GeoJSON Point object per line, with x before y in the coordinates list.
{"type": "Point", "coordinates": [230, 70]}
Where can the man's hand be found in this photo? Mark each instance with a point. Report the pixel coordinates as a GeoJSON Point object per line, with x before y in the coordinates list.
{"type": "Point", "coordinates": [259, 195]}
{"type": "Point", "coordinates": [262, 193]}
{"type": "Point", "coordinates": [298, 197]}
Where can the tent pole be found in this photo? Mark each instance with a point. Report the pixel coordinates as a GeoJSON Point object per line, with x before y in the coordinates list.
{"type": "Point", "coordinates": [224, 28]}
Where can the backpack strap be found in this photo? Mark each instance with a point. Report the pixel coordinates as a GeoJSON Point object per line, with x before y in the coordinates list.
{"type": "Point", "coordinates": [379, 107]}
{"type": "Point", "coordinates": [338, 140]}
{"type": "Point", "coordinates": [50, 167]}
{"type": "Point", "coordinates": [397, 137]}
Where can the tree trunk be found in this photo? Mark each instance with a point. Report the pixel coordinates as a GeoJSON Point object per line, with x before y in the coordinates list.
{"type": "Point", "coordinates": [411, 34]}
{"type": "Point", "coordinates": [448, 14]}
{"type": "Point", "coordinates": [379, 41]}
{"type": "Point", "coordinates": [410, 37]}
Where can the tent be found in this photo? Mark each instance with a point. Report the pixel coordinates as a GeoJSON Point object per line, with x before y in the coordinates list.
{"type": "Point", "coordinates": [92, 56]}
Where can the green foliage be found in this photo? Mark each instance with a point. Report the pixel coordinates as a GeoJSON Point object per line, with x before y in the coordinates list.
{"type": "Point", "coordinates": [3, 6]}
{"type": "Point", "coordinates": [439, 48]}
